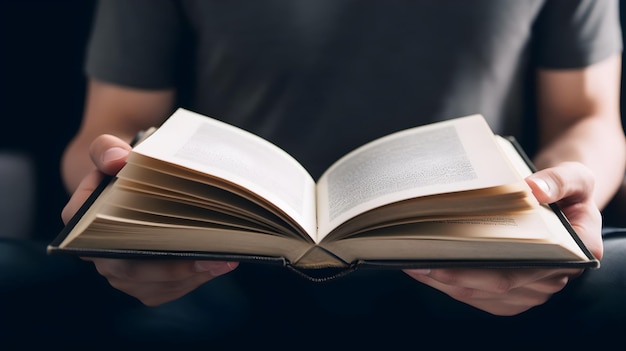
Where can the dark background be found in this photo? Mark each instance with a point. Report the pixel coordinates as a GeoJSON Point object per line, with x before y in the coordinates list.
{"type": "Point", "coordinates": [41, 51]}
{"type": "Point", "coordinates": [41, 56]}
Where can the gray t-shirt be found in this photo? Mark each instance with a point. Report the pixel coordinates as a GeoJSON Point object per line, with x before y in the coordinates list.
{"type": "Point", "coordinates": [322, 77]}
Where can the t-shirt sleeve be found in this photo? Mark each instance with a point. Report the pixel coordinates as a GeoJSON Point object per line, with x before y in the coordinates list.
{"type": "Point", "coordinates": [135, 43]}
{"type": "Point", "coordinates": [574, 34]}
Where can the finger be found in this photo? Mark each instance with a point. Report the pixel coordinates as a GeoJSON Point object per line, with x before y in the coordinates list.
{"type": "Point", "coordinates": [84, 190]}
{"type": "Point", "coordinates": [569, 180]}
{"type": "Point", "coordinates": [157, 293]}
{"type": "Point", "coordinates": [158, 282]}
{"type": "Point", "coordinates": [571, 185]}
{"type": "Point", "coordinates": [498, 281]}
{"type": "Point", "coordinates": [109, 153]}
{"type": "Point", "coordinates": [512, 302]}
{"type": "Point", "coordinates": [151, 271]}
{"type": "Point", "coordinates": [586, 220]}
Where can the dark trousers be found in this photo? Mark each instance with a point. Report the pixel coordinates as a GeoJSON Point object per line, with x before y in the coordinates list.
{"type": "Point", "coordinates": [62, 300]}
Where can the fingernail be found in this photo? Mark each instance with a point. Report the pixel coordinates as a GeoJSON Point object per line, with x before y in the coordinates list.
{"type": "Point", "coordinates": [423, 271]}
{"type": "Point", "coordinates": [543, 185]}
{"type": "Point", "coordinates": [114, 154]}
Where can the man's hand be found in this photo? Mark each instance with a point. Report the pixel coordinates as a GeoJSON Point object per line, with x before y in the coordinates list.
{"type": "Point", "coordinates": [152, 282]}
{"type": "Point", "coordinates": [513, 291]}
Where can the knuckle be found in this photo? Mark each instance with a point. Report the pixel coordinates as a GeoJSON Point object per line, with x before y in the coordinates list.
{"type": "Point", "coordinates": [503, 285]}
{"type": "Point", "coordinates": [558, 178]}
{"type": "Point", "coordinates": [445, 276]}
{"type": "Point", "coordinates": [501, 288]}
{"type": "Point", "coordinates": [462, 294]}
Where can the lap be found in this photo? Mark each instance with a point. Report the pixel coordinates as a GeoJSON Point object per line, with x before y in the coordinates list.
{"type": "Point", "coordinates": [258, 305]}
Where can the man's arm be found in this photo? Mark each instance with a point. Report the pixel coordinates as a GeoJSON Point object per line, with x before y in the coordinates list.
{"type": "Point", "coordinates": [116, 110]}
{"type": "Point", "coordinates": [579, 120]}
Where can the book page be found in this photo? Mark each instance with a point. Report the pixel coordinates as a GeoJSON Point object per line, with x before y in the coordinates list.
{"type": "Point", "coordinates": [208, 146]}
{"type": "Point", "coordinates": [454, 155]}
{"type": "Point", "coordinates": [556, 228]}
{"type": "Point", "coordinates": [533, 234]}
{"type": "Point", "coordinates": [515, 236]}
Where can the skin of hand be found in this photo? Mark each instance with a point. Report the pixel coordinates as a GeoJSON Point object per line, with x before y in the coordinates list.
{"type": "Point", "coordinates": [513, 291]}
{"type": "Point", "coordinates": [565, 96]}
{"type": "Point", "coordinates": [500, 292]}
{"type": "Point", "coordinates": [582, 161]}
{"type": "Point", "coordinates": [152, 282]}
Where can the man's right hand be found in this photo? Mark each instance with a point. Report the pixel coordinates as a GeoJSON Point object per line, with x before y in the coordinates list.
{"type": "Point", "coordinates": [152, 282]}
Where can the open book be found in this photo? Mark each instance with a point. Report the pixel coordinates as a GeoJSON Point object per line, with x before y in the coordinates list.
{"type": "Point", "coordinates": [447, 194]}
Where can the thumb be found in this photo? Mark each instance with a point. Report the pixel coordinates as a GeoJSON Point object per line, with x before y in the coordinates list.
{"type": "Point", "coordinates": [109, 153]}
{"type": "Point", "coordinates": [570, 180]}
{"type": "Point", "coordinates": [542, 187]}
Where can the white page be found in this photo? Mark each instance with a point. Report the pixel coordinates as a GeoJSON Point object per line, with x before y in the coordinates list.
{"type": "Point", "coordinates": [209, 146]}
{"type": "Point", "coordinates": [447, 156]}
